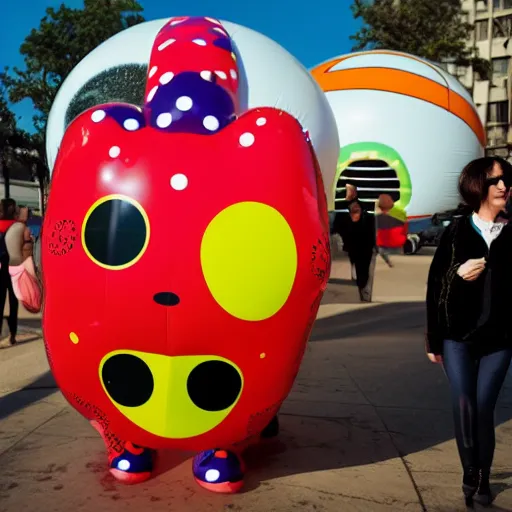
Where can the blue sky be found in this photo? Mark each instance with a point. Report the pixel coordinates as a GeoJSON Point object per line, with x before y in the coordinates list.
{"type": "Point", "coordinates": [313, 30]}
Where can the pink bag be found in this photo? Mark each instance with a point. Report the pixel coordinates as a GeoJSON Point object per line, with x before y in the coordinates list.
{"type": "Point", "coordinates": [26, 285]}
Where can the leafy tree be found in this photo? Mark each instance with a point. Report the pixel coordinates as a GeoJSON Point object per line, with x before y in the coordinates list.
{"type": "Point", "coordinates": [64, 37]}
{"type": "Point", "coordinates": [14, 144]}
{"type": "Point", "coordinates": [432, 29]}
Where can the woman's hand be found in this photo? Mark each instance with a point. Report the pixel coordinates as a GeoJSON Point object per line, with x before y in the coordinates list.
{"type": "Point", "coordinates": [435, 358]}
{"type": "Point", "coordinates": [470, 270]}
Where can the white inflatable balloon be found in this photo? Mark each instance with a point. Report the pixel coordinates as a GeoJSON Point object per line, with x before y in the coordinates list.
{"type": "Point", "coordinates": [269, 77]}
{"type": "Point", "coordinates": [406, 128]}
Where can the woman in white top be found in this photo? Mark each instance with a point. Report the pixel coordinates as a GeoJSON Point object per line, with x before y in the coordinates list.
{"type": "Point", "coordinates": [468, 315]}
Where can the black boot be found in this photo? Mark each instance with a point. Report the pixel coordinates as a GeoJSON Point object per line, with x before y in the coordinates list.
{"type": "Point", "coordinates": [470, 482]}
{"type": "Point", "coordinates": [484, 496]}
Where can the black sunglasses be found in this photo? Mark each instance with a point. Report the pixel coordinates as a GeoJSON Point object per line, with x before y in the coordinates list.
{"type": "Point", "coordinates": [496, 179]}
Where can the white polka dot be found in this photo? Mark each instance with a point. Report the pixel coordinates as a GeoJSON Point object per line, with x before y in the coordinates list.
{"type": "Point", "coordinates": [246, 139]}
{"type": "Point", "coordinates": [98, 115]}
{"type": "Point", "coordinates": [261, 121]}
{"type": "Point", "coordinates": [114, 151]}
{"type": "Point", "coordinates": [213, 20]}
{"type": "Point", "coordinates": [179, 182]}
{"type": "Point", "coordinates": [152, 93]}
{"type": "Point", "coordinates": [217, 29]}
{"type": "Point", "coordinates": [123, 465]}
{"type": "Point", "coordinates": [165, 44]}
{"type": "Point", "coordinates": [199, 42]}
{"type": "Point", "coordinates": [166, 77]}
{"type": "Point", "coordinates": [206, 75]}
{"type": "Point", "coordinates": [184, 103]}
{"type": "Point", "coordinates": [152, 71]}
{"type": "Point", "coordinates": [131, 124]}
{"type": "Point", "coordinates": [221, 75]}
{"type": "Point", "coordinates": [233, 74]}
{"type": "Point", "coordinates": [212, 475]}
{"type": "Point", "coordinates": [176, 22]}
{"type": "Point", "coordinates": [211, 123]}
{"type": "Point", "coordinates": [164, 120]}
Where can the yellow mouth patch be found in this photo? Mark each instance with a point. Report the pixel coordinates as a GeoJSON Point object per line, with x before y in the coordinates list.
{"type": "Point", "coordinates": [172, 397]}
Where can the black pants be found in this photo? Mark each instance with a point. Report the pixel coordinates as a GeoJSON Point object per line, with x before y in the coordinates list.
{"type": "Point", "coordinates": [6, 287]}
{"type": "Point", "coordinates": [475, 383]}
{"type": "Point", "coordinates": [365, 266]}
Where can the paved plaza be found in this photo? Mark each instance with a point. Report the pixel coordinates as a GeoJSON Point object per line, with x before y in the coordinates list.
{"type": "Point", "coordinates": [368, 425]}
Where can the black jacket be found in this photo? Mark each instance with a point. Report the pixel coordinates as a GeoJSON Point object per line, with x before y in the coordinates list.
{"type": "Point", "coordinates": [476, 312]}
{"type": "Point", "coordinates": [358, 237]}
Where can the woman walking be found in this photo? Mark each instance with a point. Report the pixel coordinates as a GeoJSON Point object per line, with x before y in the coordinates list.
{"type": "Point", "coordinates": [7, 219]}
{"type": "Point", "coordinates": [357, 230]}
{"type": "Point", "coordinates": [468, 315]}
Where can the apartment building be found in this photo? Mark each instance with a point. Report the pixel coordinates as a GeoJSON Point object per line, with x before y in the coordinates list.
{"type": "Point", "coordinates": [493, 30]}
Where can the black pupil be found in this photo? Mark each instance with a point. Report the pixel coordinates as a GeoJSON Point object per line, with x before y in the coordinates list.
{"type": "Point", "coordinates": [214, 385]}
{"type": "Point", "coordinates": [128, 380]}
{"type": "Point", "coordinates": [115, 233]}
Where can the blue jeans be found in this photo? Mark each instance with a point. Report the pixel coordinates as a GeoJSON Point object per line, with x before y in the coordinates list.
{"type": "Point", "coordinates": [475, 383]}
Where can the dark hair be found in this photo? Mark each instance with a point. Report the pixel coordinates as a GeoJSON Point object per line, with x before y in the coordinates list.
{"type": "Point", "coordinates": [472, 186]}
{"type": "Point", "coordinates": [7, 209]}
{"type": "Point", "coordinates": [385, 202]}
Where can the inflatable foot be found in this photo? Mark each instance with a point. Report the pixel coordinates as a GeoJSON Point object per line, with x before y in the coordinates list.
{"type": "Point", "coordinates": [218, 471]}
{"type": "Point", "coordinates": [133, 465]}
{"type": "Point", "coordinates": [271, 430]}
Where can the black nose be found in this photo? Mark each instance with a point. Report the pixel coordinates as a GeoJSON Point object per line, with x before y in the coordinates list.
{"type": "Point", "coordinates": [128, 380]}
{"type": "Point", "coordinates": [166, 299]}
{"type": "Point", "coordinates": [214, 385]}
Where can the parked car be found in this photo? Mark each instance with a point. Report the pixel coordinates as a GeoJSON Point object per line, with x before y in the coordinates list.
{"type": "Point", "coordinates": [430, 236]}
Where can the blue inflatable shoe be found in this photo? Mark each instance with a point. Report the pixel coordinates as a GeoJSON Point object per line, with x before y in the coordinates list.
{"type": "Point", "coordinates": [218, 471]}
{"type": "Point", "coordinates": [133, 466]}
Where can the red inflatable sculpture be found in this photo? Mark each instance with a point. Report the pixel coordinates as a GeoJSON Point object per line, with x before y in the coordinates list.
{"type": "Point", "coordinates": [185, 253]}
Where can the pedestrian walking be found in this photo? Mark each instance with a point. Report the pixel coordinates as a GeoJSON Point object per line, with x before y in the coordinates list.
{"type": "Point", "coordinates": [7, 219]}
{"type": "Point", "coordinates": [358, 234]}
{"type": "Point", "coordinates": [468, 315]}
{"type": "Point", "coordinates": [391, 227]}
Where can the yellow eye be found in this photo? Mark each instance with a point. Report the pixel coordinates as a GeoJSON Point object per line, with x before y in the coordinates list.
{"type": "Point", "coordinates": [115, 232]}
{"type": "Point", "coordinates": [249, 260]}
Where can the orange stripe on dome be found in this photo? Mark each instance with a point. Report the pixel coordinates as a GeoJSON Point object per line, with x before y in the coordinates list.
{"type": "Point", "coordinates": [326, 66]}
{"type": "Point", "coordinates": [399, 82]}
{"type": "Point", "coordinates": [461, 108]}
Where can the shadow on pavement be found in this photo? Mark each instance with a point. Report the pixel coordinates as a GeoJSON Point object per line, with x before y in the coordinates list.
{"type": "Point", "coordinates": [379, 320]}
{"type": "Point", "coordinates": [382, 349]}
{"type": "Point", "coordinates": [38, 389]}
{"type": "Point", "coordinates": [32, 323]}
{"type": "Point", "coordinates": [404, 406]}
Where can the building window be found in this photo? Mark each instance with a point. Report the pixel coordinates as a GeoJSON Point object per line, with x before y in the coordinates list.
{"type": "Point", "coordinates": [497, 112]}
{"type": "Point", "coordinates": [481, 30]}
{"type": "Point", "coordinates": [502, 26]}
{"type": "Point", "coordinates": [500, 5]}
{"type": "Point", "coordinates": [503, 152]}
{"type": "Point", "coordinates": [500, 68]}
{"type": "Point", "coordinates": [497, 136]}
{"type": "Point", "coordinates": [460, 72]}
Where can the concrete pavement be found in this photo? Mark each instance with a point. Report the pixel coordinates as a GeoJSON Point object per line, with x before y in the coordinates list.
{"type": "Point", "coordinates": [366, 428]}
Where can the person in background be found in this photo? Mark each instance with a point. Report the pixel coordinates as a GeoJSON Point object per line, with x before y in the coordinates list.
{"type": "Point", "coordinates": [468, 315]}
{"type": "Point", "coordinates": [391, 227]}
{"type": "Point", "coordinates": [28, 240]}
{"type": "Point", "coordinates": [7, 219]}
{"type": "Point", "coordinates": [358, 235]}
{"type": "Point", "coordinates": [350, 198]}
